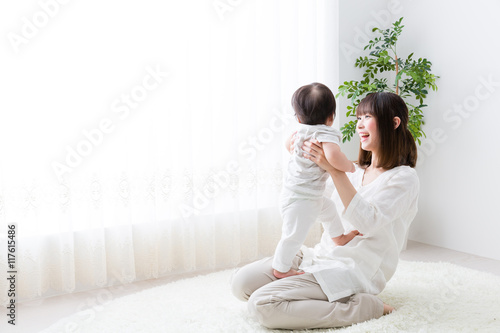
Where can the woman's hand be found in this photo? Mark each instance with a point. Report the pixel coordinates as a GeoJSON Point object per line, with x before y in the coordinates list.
{"type": "Point", "coordinates": [291, 272]}
{"type": "Point", "coordinates": [314, 152]}
{"type": "Point", "coordinates": [346, 238]}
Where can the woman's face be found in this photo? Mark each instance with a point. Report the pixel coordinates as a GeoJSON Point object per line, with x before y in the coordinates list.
{"type": "Point", "coordinates": [368, 133]}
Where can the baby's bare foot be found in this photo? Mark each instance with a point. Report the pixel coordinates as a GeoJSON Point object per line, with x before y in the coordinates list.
{"type": "Point", "coordinates": [291, 272]}
{"type": "Point", "coordinates": [388, 309]}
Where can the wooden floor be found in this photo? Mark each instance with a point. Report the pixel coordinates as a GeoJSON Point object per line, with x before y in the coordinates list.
{"type": "Point", "coordinates": [38, 315]}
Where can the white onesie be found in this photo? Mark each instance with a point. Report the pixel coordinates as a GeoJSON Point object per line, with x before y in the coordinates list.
{"type": "Point", "coordinates": [302, 199]}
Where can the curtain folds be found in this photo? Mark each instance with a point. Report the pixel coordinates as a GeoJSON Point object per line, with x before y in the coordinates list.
{"type": "Point", "coordinates": [141, 139]}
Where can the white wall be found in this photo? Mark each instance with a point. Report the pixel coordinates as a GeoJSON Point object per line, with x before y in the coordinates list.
{"type": "Point", "coordinates": [356, 20]}
{"type": "Point", "coordinates": [459, 161]}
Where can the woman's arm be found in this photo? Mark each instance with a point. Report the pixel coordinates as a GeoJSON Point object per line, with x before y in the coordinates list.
{"type": "Point", "coordinates": [344, 187]}
{"type": "Point", "coordinates": [337, 158]}
{"type": "Point", "coordinates": [398, 196]}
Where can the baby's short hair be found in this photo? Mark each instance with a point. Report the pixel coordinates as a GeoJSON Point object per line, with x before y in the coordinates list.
{"type": "Point", "coordinates": [313, 103]}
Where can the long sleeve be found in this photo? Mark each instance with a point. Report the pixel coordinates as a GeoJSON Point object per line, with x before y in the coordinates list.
{"type": "Point", "coordinates": [390, 202]}
{"type": "Point", "coordinates": [382, 211]}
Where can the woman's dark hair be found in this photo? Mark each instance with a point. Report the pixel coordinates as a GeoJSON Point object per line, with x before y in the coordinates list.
{"type": "Point", "coordinates": [397, 146]}
{"type": "Point", "coordinates": [313, 103]}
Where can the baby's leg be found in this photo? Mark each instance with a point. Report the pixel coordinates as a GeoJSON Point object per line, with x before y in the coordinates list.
{"type": "Point", "coordinates": [298, 217]}
{"type": "Point", "coordinates": [330, 218]}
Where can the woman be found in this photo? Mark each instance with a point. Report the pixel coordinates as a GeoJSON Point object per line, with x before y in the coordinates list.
{"type": "Point", "coordinates": [338, 284]}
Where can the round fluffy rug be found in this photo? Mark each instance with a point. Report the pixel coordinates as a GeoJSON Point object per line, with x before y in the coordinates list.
{"type": "Point", "coordinates": [429, 297]}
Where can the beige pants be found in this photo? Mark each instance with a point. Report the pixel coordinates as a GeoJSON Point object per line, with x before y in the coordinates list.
{"type": "Point", "coordinates": [298, 302]}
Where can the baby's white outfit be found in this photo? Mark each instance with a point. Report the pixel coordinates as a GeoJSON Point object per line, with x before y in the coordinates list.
{"type": "Point", "coordinates": [302, 199]}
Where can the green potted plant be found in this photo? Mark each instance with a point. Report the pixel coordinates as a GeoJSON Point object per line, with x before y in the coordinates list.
{"type": "Point", "coordinates": [412, 80]}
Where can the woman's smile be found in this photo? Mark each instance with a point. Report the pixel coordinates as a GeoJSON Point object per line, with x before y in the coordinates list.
{"type": "Point", "coordinates": [367, 131]}
{"type": "Point", "coordinates": [363, 136]}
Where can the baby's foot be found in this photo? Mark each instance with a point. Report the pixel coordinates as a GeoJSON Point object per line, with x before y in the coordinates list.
{"type": "Point", "coordinates": [291, 272]}
{"type": "Point", "coordinates": [388, 309]}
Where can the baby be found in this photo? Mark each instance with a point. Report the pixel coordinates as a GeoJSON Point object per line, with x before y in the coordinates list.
{"type": "Point", "coordinates": [302, 200]}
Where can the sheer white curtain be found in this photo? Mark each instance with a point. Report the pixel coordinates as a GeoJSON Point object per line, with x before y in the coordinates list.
{"type": "Point", "coordinates": [145, 138]}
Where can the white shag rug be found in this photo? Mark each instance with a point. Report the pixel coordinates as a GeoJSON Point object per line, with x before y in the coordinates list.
{"type": "Point", "coordinates": [429, 297]}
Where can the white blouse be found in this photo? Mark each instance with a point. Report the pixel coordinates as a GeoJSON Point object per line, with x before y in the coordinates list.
{"type": "Point", "coordinates": [382, 211]}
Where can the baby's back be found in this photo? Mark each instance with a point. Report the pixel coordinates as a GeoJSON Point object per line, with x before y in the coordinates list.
{"type": "Point", "coordinates": [304, 178]}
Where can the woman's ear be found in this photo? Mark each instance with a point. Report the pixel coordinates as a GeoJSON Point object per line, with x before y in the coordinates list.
{"type": "Point", "coordinates": [397, 122]}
